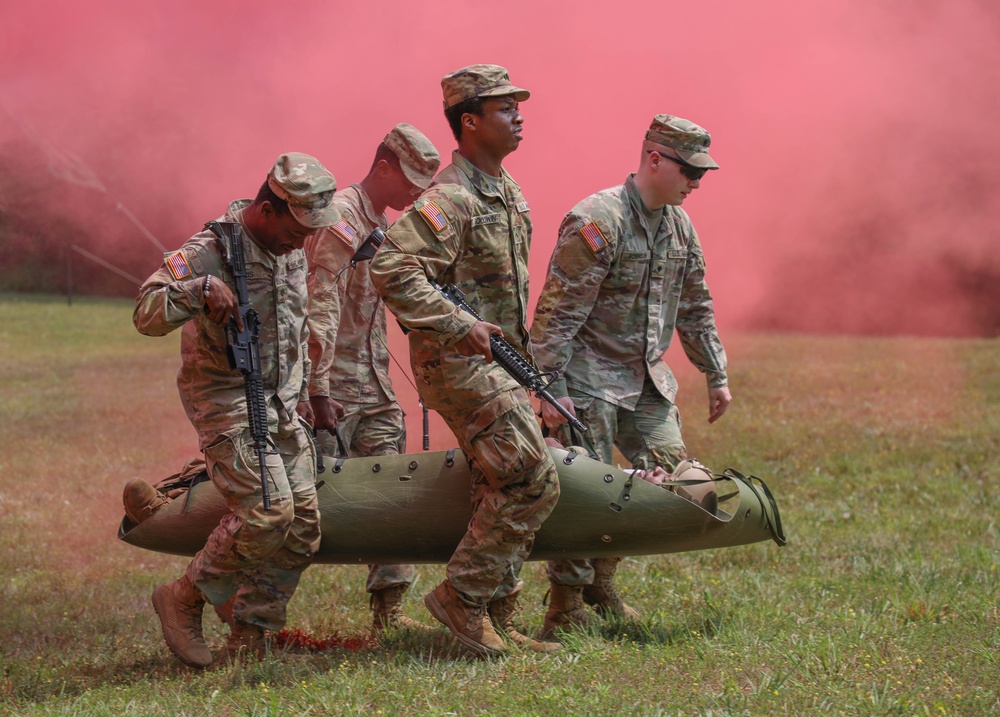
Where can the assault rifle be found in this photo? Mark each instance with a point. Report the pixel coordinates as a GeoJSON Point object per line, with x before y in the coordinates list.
{"type": "Point", "coordinates": [511, 361]}
{"type": "Point", "coordinates": [243, 349]}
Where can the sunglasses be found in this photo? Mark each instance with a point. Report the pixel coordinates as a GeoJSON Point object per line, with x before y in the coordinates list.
{"type": "Point", "coordinates": [692, 173]}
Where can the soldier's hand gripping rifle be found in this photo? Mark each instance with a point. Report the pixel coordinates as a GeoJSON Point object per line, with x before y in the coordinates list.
{"type": "Point", "coordinates": [243, 349]}
{"type": "Point", "coordinates": [512, 362]}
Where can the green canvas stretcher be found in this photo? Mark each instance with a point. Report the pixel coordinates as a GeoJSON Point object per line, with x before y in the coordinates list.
{"type": "Point", "coordinates": [414, 508]}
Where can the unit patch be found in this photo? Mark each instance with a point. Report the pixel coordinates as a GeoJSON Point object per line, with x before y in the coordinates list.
{"type": "Point", "coordinates": [434, 216]}
{"type": "Point", "coordinates": [345, 231]}
{"type": "Point", "coordinates": [521, 207]}
{"type": "Point", "coordinates": [178, 265]}
{"type": "Point", "coordinates": [594, 237]}
{"type": "Point", "coordinates": [481, 219]}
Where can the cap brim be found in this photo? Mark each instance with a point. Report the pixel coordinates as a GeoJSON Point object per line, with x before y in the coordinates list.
{"type": "Point", "coordinates": [701, 160]}
{"type": "Point", "coordinates": [420, 181]}
{"type": "Point", "coordinates": [520, 94]}
{"type": "Point", "coordinates": [315, 218]}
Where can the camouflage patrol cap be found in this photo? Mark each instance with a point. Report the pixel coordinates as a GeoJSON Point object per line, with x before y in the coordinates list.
{"type": "Point", "coordinates": [688, 139]}
{"type": "Point", "coordinates": [308, 188]}
{"type": "Point", "coordinates": [418, 158]}
{"type": "Point", "coordinates": [479, 81]}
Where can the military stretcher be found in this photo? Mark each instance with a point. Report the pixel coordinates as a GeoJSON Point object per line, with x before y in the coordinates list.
{"type": "Point", "coordinates": [414, 508]}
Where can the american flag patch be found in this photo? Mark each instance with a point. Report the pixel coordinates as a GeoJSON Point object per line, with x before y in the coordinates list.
{"type": "Point", "coordinates": [432, 213]}
{"type": "Point", "coordinates": [345, 231]}
{"type": "Point", "coordinates": [178, 265]}
{"type": "Point", "coordinates": [594, 237]}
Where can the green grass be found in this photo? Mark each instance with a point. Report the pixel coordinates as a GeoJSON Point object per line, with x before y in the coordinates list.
{"type": "Point", "coordinates": [882, 453]}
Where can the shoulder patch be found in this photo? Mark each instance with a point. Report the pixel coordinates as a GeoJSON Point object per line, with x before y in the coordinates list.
{"type": "Point", "coordinates": [178, 265]}
{"type": "Point", "coordinates": [434, 216]}
{"type": "Point", "coordinates": [594, 237]}
{"type": "Point", "coordinates": [345, 231]}
{"type": "Point", "coordinates": [521, 207]}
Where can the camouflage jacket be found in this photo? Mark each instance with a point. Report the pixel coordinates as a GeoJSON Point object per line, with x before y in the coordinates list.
{"type": "Point", "coordinates": [213, 394]}
{"type": "Point", "coordinates": [615, 291]}
{"type": "Point", "coordinates": [347, 339]}
{"type": "Point", "coordinates": [474, 231]}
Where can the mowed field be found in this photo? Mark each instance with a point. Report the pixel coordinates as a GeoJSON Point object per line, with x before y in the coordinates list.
{"type": "Point", "coordinates": [883, 454]}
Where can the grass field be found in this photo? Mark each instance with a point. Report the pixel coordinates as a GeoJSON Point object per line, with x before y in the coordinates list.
{"type": "Point", "coordinates": [884, 456]}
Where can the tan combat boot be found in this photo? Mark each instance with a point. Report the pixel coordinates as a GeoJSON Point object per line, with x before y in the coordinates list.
{"type": "Point", "coordinates": [469, 623]}
{"type": "Point", "coordinates": [387, 610]}
{"type": "Point", "coordinates": [225, 612]}
{"type": "Point", "coordinates": [603, 595]}
{"type": "Point", "coordinates": [566, 609]}
{"type": "Point", "coordinates": [141, 500]}
{"type": "Point", "coordinates": [179, 605]}
{"type": "Point", "coordinates": [245, 641]}
{"type": "Point", "coordinates": [502, 614]}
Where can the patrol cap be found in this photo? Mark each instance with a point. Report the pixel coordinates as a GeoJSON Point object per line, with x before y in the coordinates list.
{"type": "Point", "coordinates": [688, 139]}
{"type": "Point", "coordinates": [479, 81]}
{"type": "Point", "coordinates": [308, 188]}
{"type": "Point", "coordinates": [417, 155]}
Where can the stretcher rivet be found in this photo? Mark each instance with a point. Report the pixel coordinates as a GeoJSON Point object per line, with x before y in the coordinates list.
{"type": "Point", "coordinates": [413, 465]}
{"type": "Point", "coordinates": [606, 538]}
{"type": "Point", "coordinates": [376, 468]}
{"type": "Point", "coordinates": [608, 478]}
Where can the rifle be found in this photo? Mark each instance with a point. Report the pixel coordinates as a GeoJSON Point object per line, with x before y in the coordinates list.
{"type": "Point", "coordinates": [243, 349]}
{"type": "Point", "coordinates": [511, 361]}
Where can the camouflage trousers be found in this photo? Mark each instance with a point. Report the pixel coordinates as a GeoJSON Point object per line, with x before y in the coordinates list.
{"type": "Point", "coordinates": [373, 429]}
{"type": "Point", "coordinates": [257, 555]}
{"type": "Point", "coordinates": [368, 429]}
{"type": "Point", "coordinates": [515, 486]}
{"type": "Point", "coordinates": [649, 436]}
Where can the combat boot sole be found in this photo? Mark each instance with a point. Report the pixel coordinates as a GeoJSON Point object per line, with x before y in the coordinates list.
{"type": "Point", "coordinates": [441, 615]}
{"type": "Point", "coordinates": [196, 654]}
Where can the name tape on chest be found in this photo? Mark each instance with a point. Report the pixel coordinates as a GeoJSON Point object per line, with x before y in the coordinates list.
{"type": "Point", "coordinates": [521, 207]}
{"type": "Point", "coordinates": [345, 231]}
{"type": "Point", "coordinates": [432, 213]}
{"type": "Point", "coordinates": [594, 237]}
{"type": "Point", "coordinates": [677, 253]}
{"type": "Point", "coordinates": [635, 256]}
{"type": "Point", "coordinates": [178, 265]}
{"type": "Point", "coordinates": [481, 219]}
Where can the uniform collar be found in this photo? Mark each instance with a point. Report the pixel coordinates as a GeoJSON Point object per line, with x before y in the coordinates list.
{"type": "Point", "coordinates": [484, 183]}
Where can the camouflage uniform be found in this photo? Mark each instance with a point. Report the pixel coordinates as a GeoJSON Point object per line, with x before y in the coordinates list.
{"type": "Point", "coordinates": [474, 230]}
{"type": "Point", "coordinates": [348, 347]}
{"type": "Point", "coordinates": [620, 280]}
{"type": "Point", "coordinates": [255, 555]}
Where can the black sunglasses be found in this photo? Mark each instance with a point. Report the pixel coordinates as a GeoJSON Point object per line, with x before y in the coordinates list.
{"type": "Point", "coordinates": [692, 173]}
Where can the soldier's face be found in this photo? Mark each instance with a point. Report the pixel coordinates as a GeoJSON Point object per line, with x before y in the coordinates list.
{"type": "Point", "coordinates": [499, 127]}
{"type": "Point", "coordinates": [282, 233]}
{"type": "Point", "coordinates": [672, 178]}
{"type": "Point", "coordinates": [402, 192]}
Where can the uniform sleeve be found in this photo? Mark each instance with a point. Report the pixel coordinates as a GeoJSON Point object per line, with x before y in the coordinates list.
{"type": "Point", "coordinates": [572, 285]}
{"type": "Point", "coordinates": [322, 323]}
{"type": "Point", "coordinates": [419, 248]}
{"type": "Point", "coordinates": [696, 317]}
{"type": "Point", "coordinates": [173, 294]}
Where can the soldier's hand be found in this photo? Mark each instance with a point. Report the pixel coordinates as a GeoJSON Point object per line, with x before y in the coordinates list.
{"type": "Point", "coordinates": [655, 476]}
{"type": "Point", "coordinates": [718, 401]}
{"type": "Point", "coordinates": [477, 341]}
{"type": "Point", "coordinates": [304, 409]}
{"type": "Point", "coordinates": [221, 303]}
{"type": "Point", "coordinates": [551, 417]}
{"type": "Point", "coordinates": [326, 412]}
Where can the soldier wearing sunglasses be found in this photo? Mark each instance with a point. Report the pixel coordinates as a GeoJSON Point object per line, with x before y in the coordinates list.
{"type": "Point", "coordinates": [626, 272]}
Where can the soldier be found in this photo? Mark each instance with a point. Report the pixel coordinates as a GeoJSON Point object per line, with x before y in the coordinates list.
{"type": "Point", "coordinates": [347, 334]}
{"type": "Point", "coordinates": [626, 271]}
{"type": "Point", "coordinates": [472, 228]}
{"type": "Point", "coordinates": [254, 557]}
